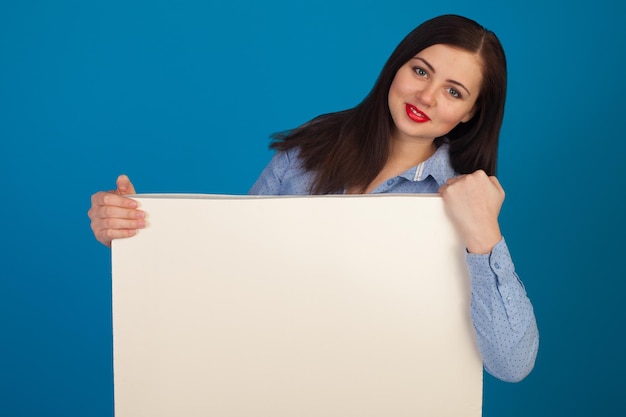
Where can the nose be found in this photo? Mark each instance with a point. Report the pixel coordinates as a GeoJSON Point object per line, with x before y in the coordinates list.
{"type": "Point", "coordinates": [426, 96]}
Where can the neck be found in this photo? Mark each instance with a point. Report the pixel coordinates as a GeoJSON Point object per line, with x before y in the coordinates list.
{"type": "Point", "coordinates": [405, 153]}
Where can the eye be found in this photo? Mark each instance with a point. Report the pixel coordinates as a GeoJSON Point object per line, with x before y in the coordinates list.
{"type": "Point", "coordinates": [420, 71]}
{"type": "Point", "coordinates": [454, 93]}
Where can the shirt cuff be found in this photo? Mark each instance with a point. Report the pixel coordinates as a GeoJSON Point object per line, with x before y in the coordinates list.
{"type": "Point", "coordinates": [498, 262]}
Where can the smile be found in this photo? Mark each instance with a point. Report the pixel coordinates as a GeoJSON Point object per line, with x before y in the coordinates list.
{"type": "Point", "coordinates": [415, 114]}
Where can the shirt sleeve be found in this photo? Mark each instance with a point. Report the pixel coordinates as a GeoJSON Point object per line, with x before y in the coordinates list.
{"type": "Point", "coordinates": [270, 180]}
{"type": "Point", "coordinates": [502, 314]}
{"type": "Point", "coordinates": [284, 175]}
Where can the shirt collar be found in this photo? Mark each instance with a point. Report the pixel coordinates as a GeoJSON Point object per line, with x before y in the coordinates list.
{"type": "Point", "coordinates": [437, 166]}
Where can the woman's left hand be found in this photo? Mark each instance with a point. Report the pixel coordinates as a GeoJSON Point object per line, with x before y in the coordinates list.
{"type": "Point", "coordinates": [473, 202]}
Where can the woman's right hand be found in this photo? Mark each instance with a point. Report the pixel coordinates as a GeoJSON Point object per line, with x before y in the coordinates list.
{"type": "Point", "coordinates": [114, 216]}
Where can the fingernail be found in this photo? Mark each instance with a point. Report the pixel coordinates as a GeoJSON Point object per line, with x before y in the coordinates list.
{"type": "Point", "coordinates": [141, 224]}
{"type": "Point", "coordinates": [141, 215]}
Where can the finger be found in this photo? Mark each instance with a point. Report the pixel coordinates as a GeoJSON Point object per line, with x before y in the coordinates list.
{"type": "Point", "coordinates": [107, 235]}
{"type": "Point", "coordinates": [124, 186]}
{"type": "Point", "coordinates": [102, 198]}
{"type": "Point", "coordinates": [107, 204]}
{"type": "Point", "coordinates": [113, 212]}
{"type": "Point", "coordinates": [112, 228]}
{"type": "Point", "coordinates": [112, 199]}
{"type": "Point", "coordinates": [112, 223]}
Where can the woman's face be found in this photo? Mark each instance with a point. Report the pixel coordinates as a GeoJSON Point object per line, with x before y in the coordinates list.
{"type": "Point", "coordinates": [433, 92]}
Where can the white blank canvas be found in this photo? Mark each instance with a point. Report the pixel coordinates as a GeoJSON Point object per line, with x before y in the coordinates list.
{"type": "Point", "coordinates": [293, 306]}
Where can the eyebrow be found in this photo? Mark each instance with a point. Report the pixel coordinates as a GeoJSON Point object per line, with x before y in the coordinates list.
{"type": "Point", "coordinates": [430, 67]}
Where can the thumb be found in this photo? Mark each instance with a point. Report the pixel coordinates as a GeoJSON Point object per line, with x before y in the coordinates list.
{"type": "Point", "coordinates": [124, 186]}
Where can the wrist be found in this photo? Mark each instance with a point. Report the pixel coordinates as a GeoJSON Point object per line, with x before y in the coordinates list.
{"type": "Point", "coordinates": [483, 243]}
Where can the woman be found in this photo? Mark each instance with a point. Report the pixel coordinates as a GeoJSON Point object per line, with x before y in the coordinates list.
{"type": "Point", "coordinates": [430, 124]}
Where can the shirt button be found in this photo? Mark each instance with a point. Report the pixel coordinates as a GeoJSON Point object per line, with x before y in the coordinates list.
{"type": "Point", "coordinates": [390, 182]}
{"type": "Point", "coordinates": [496, 265]}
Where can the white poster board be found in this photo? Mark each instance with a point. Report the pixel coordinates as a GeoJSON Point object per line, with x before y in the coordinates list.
{"type": "Point", "coordinates": [346, 306]}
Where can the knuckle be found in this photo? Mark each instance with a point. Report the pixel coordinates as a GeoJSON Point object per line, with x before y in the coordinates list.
{"type": "Point", "coordinates": [479, 173]}
{"type": "Point", "coordinates": [104, 198]}
{"type": "Point", "coordinates": [96, 196]}
{"type": "Point", "coordinates": [107, 211]}
{"type": "Point", "coordinates": [108, 198]}
{"type": "Point", "coordinates": [101, 197]}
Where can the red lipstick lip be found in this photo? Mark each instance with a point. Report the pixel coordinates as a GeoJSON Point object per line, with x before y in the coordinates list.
{"type": "Point", "coordinates": [416, 114]}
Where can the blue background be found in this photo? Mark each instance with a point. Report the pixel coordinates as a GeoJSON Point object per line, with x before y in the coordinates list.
{"type": "Point", "coordinates": [182, 96]}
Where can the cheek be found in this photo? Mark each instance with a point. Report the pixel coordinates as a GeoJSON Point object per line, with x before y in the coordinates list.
{"type": "Point", "coordinates": [469, 114]}
{"type": "Point", "coordinates": [393, 91]}
{"type": "Point", "coordinates": [400, 86]}
{"type": "Point", "coordinates": [457, 115]}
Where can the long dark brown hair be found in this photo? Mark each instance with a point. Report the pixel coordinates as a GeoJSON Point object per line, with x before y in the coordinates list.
{"type": "Point", "coordinates": [348, 149]}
